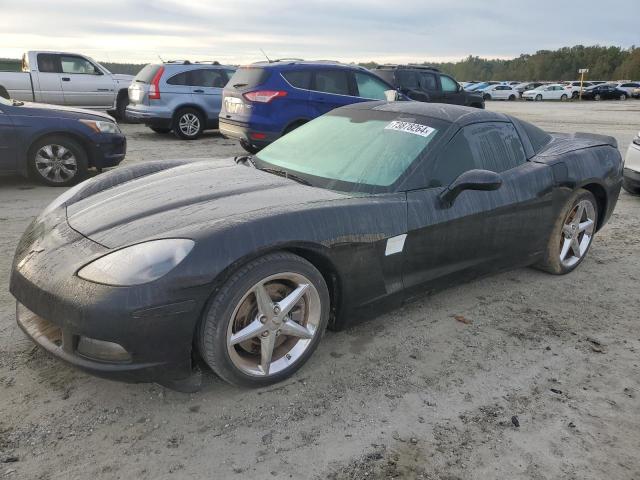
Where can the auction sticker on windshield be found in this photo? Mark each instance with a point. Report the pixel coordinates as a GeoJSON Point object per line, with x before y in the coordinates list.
{"type": "Point", "coordinates": [408, 127]}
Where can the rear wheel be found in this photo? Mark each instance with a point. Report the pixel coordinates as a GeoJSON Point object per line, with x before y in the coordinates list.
{"type": "Point", "coordinates": [4, 93]}
{"type": "Point", "coordinates": [57, 161]}
{"type": "Point", "coordinates": [121, 105]}
{"type": "Point", "coordinates": [572, 234]}
{"type": "Point", "coordinates": [188, 123]}
{"type": "Point", "coordinates": [575, 95]}
{"type": "Point", "coordinates": [160, 129]}
{"type": "Point", "coordinates": [265, 321]}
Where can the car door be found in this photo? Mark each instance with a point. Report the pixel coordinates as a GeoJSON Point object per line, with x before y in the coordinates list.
{"type": "Point", "coordinates": [452, 92]}
{"type": "Point", "coordinates": [409, 84]}
{"type": "Point", "coordinates": [207, 85]}
{"type": "Point", "coordinates": [8, 154]}
{"type": "Point", "coordinates": [481, 230]}
{"type": "Point", "coordinates": [47, 81]}
{"type": "Point", "coordinates": [330, 89]}
{"type": "Point", "coordinates": [85, 84]}
{"type": "Point", "coordinates": [429, 84]}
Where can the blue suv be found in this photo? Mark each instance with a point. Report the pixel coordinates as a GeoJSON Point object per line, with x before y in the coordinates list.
{"type": "Point", "coordinates": [266, 100]}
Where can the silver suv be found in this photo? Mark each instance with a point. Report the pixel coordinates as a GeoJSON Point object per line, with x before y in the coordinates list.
{"type": "Point", "coordinates": [181, 96]}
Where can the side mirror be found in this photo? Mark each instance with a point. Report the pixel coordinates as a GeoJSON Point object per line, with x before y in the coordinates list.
{"type": "Point", "coordinates": [392, 95]}
{"type": "Point", "coordinates": [470, 180]}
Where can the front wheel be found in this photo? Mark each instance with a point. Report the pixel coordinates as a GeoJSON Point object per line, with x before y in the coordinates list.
{"type": "Point", "coordinates": [486, 96]}
{"type": "Point", "coordinates": [57, 161]}
{"type": "Point", "coordinates": [597, 97]}
{"type": "Point", "coordinates": [266, 320]}
{"type": "Point", "coordinates": [572, 234]}
{"type": "Point", "coordinates": [623, 97]}
{"type": "Point", "coordinates": [538, 97]}
{"type": "Point", "coordinates": [512, 97]}
{"type": "Point", "coordinates": [563, 98]}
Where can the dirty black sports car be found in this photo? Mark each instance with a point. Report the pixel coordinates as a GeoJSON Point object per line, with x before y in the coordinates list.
{"type": "Point", "coordinates": [141, 273]}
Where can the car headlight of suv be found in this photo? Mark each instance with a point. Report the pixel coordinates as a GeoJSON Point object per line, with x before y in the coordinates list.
{"type": "Point", "coordinates": [137, 264]}
{"type": "Point", "coordinates": [100, 126]}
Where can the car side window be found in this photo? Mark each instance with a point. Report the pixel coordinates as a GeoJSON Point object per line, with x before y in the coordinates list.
{"type": "Point", "coordinates": [493, 146]}
{"type": "Point", "coordinates": [298, 79]}
{"type": "Point", "coordinates": [48, 63]}
{"type": "Point", "coordinates": [448, 84]}
{"type": "Point", "coordinates": [78, 65]}
{"type": "Point", "coordinates": [179, 79]}
{"type": "Point", "coordinates": [427, 81]}
{"type": "Point", "coordinates": [407, 79]}
{"type": "Point", "coordinates": [207, 77]}
{"type": "Point", "coordinates": [370, 87]}
{"type": "Point", "coordinates": [332, 81]}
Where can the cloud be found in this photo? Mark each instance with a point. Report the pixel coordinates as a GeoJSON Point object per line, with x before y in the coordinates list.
{"type": "Point", "coordinates": [359, 30]}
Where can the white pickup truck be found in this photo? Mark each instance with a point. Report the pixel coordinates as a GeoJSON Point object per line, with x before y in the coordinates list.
{"type": "Point", "coordinates": [66, 79]}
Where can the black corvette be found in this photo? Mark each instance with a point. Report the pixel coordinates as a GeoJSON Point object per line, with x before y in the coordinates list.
{"type": "Point", "coordinates": [141, 273]}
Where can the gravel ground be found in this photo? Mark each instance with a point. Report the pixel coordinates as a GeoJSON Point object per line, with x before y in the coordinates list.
{"type": "Point", "coordinates": [540, 380]}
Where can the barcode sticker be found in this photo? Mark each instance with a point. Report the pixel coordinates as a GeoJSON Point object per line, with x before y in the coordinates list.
{"type": "Point", "coordinates": [408, 127]}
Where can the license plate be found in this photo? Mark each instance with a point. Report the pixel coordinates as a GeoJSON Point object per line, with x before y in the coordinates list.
{"type": "Point", "coordinates": [233, 105]}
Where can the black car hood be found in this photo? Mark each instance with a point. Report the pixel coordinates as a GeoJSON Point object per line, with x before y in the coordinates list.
{"type": "Point", "coordinates": [30, 109]}
{"type": "Point", "coordinates": [186, 200]}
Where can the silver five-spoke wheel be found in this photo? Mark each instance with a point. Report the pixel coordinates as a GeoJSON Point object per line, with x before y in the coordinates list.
{"type": "Point", "coordinates": [56, 163]}
{"type": "Point", "coordinates": [189, 124]}
{"type": "Point", "coordinates": [273, 324]}
{"type": "Point", "coordinates": [577, 233]}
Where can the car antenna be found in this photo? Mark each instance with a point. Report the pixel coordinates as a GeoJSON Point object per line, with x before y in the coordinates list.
{"type": "Point", "coordinates": [161, 60]}
{"type": "Point", "coordinates": [266, 56]}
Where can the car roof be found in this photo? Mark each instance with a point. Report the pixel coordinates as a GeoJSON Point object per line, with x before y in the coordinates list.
{"type": "Point", "coordinates": [441, 111]}
{"type": "Point", "coordinates": [288, 63]}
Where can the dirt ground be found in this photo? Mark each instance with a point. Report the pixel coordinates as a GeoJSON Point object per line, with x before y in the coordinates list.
{"type": "Point", "coordinates": [540, 381]}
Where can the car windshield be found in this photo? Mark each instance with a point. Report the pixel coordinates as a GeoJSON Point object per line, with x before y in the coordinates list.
{"type": "Point", "coordinates": [352, 150]}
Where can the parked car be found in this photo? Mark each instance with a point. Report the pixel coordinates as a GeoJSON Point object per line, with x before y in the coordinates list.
{"type": "Point", "coordinates": [132, 275]}
{"type": "Point", "coordinates": [56, 145]}
{"type": "Point", "coordinates": [546, 92]}
{"type": "Point", "coordinates": [573, 88]}
{"type": "Point", "coordinates": [481, 86]}
{"type": "Point", "coordinates": [500, 92]}
{"type": "Point", "coordinates": [524, 86]}
{"type": "Point", "coordinates": [631, 181]}
{"type": "Point", "coordinates": [427, 84]}
{"type": "Point", "coordinates": [628, 87]}
{"type": "Point", "coordinates": [70, 79]}
{"type": "Point", "coordinates": [635, 93]}
{"type": "Point", "coordinates": [604, 92]}
{"type": "Point", "coordinates": [181, 96]}
{"type": "Point", "coordinates": [267, 100]}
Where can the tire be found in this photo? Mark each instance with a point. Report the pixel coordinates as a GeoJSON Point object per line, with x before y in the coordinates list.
{"type": "Point", "coordinates": [512, 98]}
{"type": "Point", "coordinates": [629, 189]}
{"type": "Point", "coordinates": [188, 123]}
{"type": "Point", "coordinates": [121, 106]}
{"type": "Point", "coordinates": [60, 153]}
{"type": "Point", "coordinates": [4, 93]}
{"type": "Point", "coordinates": [623, 97]}
{"type": "Point", "coordinates": [486, 96]}
{"type": "Point", "coordinates": [575, 95]}
{"type": "Point", "coordinates": [567, 225]}
{"type": "Point", "coordinates": [597, 97]}
{"type": "Point", "coordinates": [538, 97]}
{"type": "Point", "coordinates": [563, 98]}
{"type": "Point", "coordinates": [160, 129]}
{"type": "Point", "coordinates": [238, 359]}
{"type": "Point", "coordinates": [249, 148]}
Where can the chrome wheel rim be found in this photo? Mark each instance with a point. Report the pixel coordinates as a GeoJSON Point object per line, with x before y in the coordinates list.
{"type": "Point", "coordinates": [577, 233]}
{"type": "Point", "coordinates": [56, 163]}
{"type": "Point", "coordinates": [189, 124]}
{"type": "Point", "coordinates": [274, 324]}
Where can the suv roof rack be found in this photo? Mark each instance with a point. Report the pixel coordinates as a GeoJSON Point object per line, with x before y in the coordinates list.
{"type": "Point", "coordinates": [408, 65]}
{"type": "Point", "coordinates": [179, 62]}
{"type": "Point", "coordinates": [212, 62]}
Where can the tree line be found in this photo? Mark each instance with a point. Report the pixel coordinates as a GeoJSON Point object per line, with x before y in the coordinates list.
{"type": "Point", "coordinates": [604, 63]}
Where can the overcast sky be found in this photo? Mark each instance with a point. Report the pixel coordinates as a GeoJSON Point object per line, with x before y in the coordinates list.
{"type": "Point", "coordinates": [360, 30]}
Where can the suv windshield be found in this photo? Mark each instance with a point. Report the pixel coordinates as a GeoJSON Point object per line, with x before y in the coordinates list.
{"type": "Point", "coordinates": [353, 150]}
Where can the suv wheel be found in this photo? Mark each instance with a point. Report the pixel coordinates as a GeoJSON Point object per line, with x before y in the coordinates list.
{"type": "Point", "coordinates": [188, 123]}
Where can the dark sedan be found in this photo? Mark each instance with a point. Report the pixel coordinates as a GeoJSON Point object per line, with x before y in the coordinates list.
{"type": "Point", "coordinates": [56, 145]}
{"type": "Point", "coordinates": [140, 272]}
{"type": "Point", "coordinates": [604, 92]}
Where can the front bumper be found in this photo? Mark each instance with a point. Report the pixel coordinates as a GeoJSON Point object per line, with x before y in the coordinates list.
{"type": "Point", "coordinates": [107, 150]}
{"type": "Point", "coordinates": [631, 181]}
{"type": "Point", "coordinates": [244, 134]}
{"type": "Point", "coordinates": [153, 323]}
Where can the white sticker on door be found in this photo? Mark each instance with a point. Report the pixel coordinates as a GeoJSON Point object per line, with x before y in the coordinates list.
{"type": "Point", "coordinates": [395, 244]}
{"type": "Point", "coordinates": [408, 127]}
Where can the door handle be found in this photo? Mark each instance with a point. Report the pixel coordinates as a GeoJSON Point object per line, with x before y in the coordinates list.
{"type": "Point", "coordinates": [66, 79]}
{"type": "Point", "coordinates": [198, 91]}
{"type": "Point", "coordinates": [103, 90]}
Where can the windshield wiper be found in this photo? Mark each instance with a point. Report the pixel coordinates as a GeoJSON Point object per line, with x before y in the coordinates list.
{"type": "Point", "coordinates": [285, 174]}
{"type": "Point", "coordinates": [238, 85]}
{"type": "Point", "coordinates": [245, 160]}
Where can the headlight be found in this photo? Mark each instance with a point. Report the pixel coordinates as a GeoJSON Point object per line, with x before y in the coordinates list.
{"type": "Point", "coordinates": [99, 126]}
{"type": "Point", "coordinates": [137, 264]}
